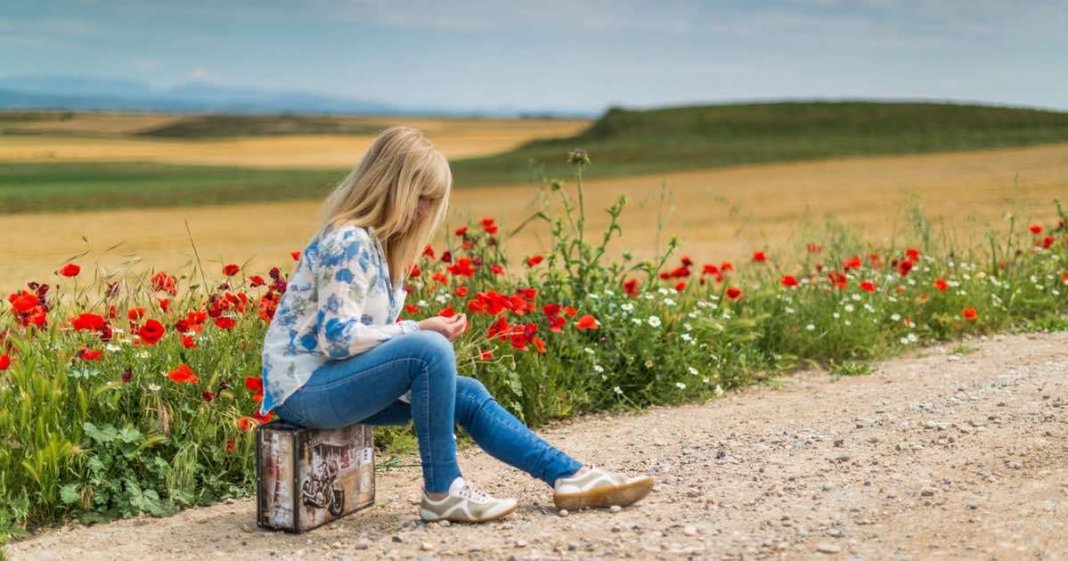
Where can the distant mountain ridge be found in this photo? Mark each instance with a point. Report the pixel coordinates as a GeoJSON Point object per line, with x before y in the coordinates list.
{"type": "Point", "coordinates": [97, 94]}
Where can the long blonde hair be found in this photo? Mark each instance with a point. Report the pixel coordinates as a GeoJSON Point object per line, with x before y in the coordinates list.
{"type": "Point", "coordinates": [383, 192]}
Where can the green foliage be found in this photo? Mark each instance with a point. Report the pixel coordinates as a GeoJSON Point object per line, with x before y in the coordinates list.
{"type": "Point", "coordinates": [629, 142]}
{"type": "Point", "coordinates": [222, 126]}
{"type": "Point", "coordinates": [117, 437]}
{"type": "Point", "coordinates": [91, 186]}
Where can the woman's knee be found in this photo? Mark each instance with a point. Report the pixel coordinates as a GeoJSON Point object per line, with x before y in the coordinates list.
{"type": "Point", "coordinates": [471, 388]}
{"type": "Point", "coordinates": [431, 344]}
{"type": "Point", "coordinates": [471, 395]}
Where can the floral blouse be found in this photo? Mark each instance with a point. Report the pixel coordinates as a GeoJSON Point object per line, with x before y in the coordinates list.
{"type": "Point", "coordinates": [339, 302]}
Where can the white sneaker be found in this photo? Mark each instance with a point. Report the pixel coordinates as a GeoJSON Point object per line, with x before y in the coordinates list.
{"type": "Point", "coordinates": [599, 488]}
{"type": "Point", "coordinates": [464, 503]}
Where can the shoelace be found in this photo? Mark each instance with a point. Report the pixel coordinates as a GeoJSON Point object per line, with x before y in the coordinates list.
{"type": "Point", "coordinates": [475, 494]}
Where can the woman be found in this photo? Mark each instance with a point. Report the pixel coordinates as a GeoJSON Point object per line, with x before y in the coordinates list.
{"type": "Point", "coordinates": [334, 353]}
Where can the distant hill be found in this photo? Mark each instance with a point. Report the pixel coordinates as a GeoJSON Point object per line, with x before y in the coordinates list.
{"type": "Point", "coordinates": [101, 94]}
{"type": "Point", "coordinates": [628, 142]}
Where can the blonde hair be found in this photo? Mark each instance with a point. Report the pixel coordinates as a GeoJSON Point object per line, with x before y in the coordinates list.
{"type": "Point", "coordinates": [383, 192]}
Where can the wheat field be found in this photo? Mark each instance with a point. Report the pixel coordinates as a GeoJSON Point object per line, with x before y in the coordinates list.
{"type": "Point", "coordinates": [718, 214]}
{"type": "Point", "coordinates": [106, 138]}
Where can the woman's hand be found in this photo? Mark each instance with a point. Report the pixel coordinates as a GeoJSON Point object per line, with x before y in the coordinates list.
{"type": "Point", "coordinates": [451, 328]}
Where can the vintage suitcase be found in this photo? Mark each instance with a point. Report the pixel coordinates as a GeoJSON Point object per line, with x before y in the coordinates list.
{"type": "Point", "coordinates": [308, 477]}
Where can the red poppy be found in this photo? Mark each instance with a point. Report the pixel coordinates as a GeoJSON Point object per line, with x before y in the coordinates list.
{"type": "Point", "coordinates": [497, 268]}
{"type": "Point", "coordinates": [852, 263]}
{"type": "Point", "coordinates": [686, 261]}
{"type": "Point", "coordinates": [245, 424]}
{"type": "Point", "coordinates": [5, 362]}
{"type": "Point", "coordinates": [556, 323]}
{"type": "Point", "coordinates": [231, 269]}
{"type": "Point", "coordinates": [135, 314]}
{"type": "Point", "coordinates": [679, 272]}
{"type": "Point", "coordinates": [1047, 242]}
{"type": "Point", "coordinates": [814, 248]}
{"type": "Point", "coordinates": [489, 226]}
{"type": "Point", "coordinates": [207, 395]}
{"type": "Point", "coordinates": [486, 354]}
{"type": "Point", "coordinates": [162, 282]}
{"type": "Point", "coordinates": [87, 322]}
{"type": "Point", "coordinates": [127, 375]}
{"type": "Point", "coordinates": [726, 266]}
{"type": "Point", "coordinates": [164, 304]}
{"type": "Point", "coordinates": [570, 312]}
{"type": "Point", "coordinates": [188, 342]}
{"type": "Point", "coordinates": [254, 383]}
{"type": "Point", "coordinates": [759, 256]}
{"type": "Point", "coordinates": [183, 375]}
{"type": "Point", "coordinates": [151, 332]}
{"type": "Point", "coordinates": [838, 280]}
{"type": "Point", "coordinates": [23, 301]}
{"type": "Point", "coordinates": [904, 267]}
{"type": "Point", "coordinates": [789, 281]}
{"type": "Point", "coordinates": [462, 267]}
{"type": "Point", "coordinates": [867, 286]}
{"type": "Point", "coordinates": [941, 285]}
{"type": "Point", "coordinates": [734, 293]}
{"type": "Point", "coordinates": [1036, 229]}
{"type": "Point", "coordinates": [913, 253]}
{"type": "Point", "coordinates": [534, 260]}
{"type": "Point", "coordinates": [710, 269]}
{"type": "Point", "coordinates": [428, 251]}
{"type": "Point", "coordinates": [85, 353]}
{"type": "Point", "coordinates": [461, 230]}
{"type": "Point", "coordinates": [231, 446]}
{"type": "Point", "coordinates": [70, 270]}
{"type": "Point", "coordinates": [447, 312]}
{"type": "Point", "coordinates": [586, 322]}
{"type": "Point", "coordinates": [680, 286]}
{"type": "Point", "coordinates": [461, 291]}
{"type": "Point", "coordinates": [539, 344]}
{"type": "Point", "coordinates": [256, 280]}
{"type": "Point", "coordinates": [225, 322]}
{"type": "Point", "coordinates": [1064, 278]}
{"type": "Point", "coordinates": [295, 255]}
{"type": "Point", "coordinates": [263, 418]}
{"type": "Point", "coordinates": [970, 314]}
{"type": "Point", "coordinates": [630, 286]}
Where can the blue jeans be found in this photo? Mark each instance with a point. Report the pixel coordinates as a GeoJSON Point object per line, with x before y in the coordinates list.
{"type": "Point", "coordinates": [365, 388]}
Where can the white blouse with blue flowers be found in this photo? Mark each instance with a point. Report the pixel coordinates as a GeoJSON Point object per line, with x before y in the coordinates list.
{"type": "Point", "coordinates": [339, 302]}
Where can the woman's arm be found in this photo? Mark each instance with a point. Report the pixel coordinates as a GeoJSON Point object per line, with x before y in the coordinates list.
{"type": "Point", "coordinates": [347, 275]}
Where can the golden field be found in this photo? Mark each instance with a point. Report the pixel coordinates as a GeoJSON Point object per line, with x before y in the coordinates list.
{"type": "Point", "coordinates": [100, 138]}
{"type": "Point", "coordinates": [721, 213]}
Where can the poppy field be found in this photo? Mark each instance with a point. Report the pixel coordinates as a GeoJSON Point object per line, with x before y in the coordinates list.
{"type": "Point", "coordinates": [125, 394]}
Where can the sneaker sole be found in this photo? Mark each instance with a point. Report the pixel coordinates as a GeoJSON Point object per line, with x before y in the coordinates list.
{"type": "Point", "coordinates": [621, 495]}
{"type": "Point", "coordinates": [429, 516]}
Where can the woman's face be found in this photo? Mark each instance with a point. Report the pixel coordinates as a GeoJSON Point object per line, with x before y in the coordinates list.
{"type": "Point", "coordinates": [422, 208]}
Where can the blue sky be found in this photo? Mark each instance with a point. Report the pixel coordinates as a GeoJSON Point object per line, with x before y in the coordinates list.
{"type": "Point", "coordinates": [551, 54]}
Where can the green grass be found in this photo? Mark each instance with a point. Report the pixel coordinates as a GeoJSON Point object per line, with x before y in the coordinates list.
{"type": "Point", "coordinates": [626, 142]}
{"type": "Point", "coordinates": [215, 126]}
{"type": "Point", "coordinates": [622, 142]}
{"type": "Point", "coordinates": [91, 186]}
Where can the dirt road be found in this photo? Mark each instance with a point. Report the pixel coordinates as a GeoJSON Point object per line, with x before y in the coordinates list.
{"type": "Point", "coordinates": [942, 455]}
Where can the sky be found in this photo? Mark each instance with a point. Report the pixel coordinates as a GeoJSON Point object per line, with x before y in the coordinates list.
{"type": "Point", "coordinates": [560, 55]}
